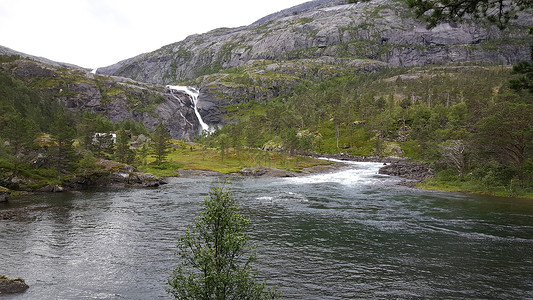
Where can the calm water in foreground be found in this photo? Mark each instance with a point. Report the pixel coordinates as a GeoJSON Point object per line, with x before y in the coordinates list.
{"type": "Point", "coordinates": [350, 234]}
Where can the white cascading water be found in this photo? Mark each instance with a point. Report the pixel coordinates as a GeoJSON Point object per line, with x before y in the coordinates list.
{"type": "Point", "coordinates": [359, 174]}
{"type": "Point", "coordinates": [193, 93]}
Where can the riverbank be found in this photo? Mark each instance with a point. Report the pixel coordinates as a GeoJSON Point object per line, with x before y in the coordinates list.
{"type": "Point", "coordinates": [108, 174]}
{"type": "Point", "coordinates": [420, 175]}
{"type": "Point", "coordinates": [232, 162]}
{"type": "Point", "coordinates": [473, 188]}
{"type": "Point", "coordinates": [325, 166]}
{"type": "Point", "coordinates": [61, 248]}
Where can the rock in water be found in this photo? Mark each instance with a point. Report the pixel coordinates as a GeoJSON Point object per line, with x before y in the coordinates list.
{"type": "Point", "coordinates": [10, 285]}
{"type": "Point", "coordinates": [409, 170]}
{"type": "Point", "coordinates": [4, 194]}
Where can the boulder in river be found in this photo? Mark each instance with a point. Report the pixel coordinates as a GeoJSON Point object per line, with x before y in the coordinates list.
{"type": "Point", "coordinates": [408, 170]}
{"type": "Point", "coordinates": [4, 194]}
{"type": "Point", "coordinates": [10, 285]}
{"type": "Point", "coordinates": [266, 172]}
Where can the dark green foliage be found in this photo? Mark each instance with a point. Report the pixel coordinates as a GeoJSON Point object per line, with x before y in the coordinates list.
{"type": "Point", "coordinates": [507, 133]}
{"type": "Point", "coordinates": [103, 144]}
{"type": "Point", "coordinates": [161, 143]}
{"type": "Point", "coordinates": [502, 134]}
{"type": "Point", "coordinates": [424, 112]}
{"type": "Point", "coordinates": [61, 151]}
{"type": "Point", "coordinates": [215, 258]}
{"type": "Point", "coordinates": [123, 152]}
{"type": "Point", "coordinates": [142, 153]}
{"type": "Point", "coordinates": [94, 133]}
{"type": "Point", "coordinates": [223, 144]}
{"type": "Point", "coordinates": [19, 133]}
{"type": "Point", "coordinates": [525, 81]}
{"type": "Point", "coordinates": [87, 164]}
{"type": "Point", "coordinates": [135, 128]}
{"type": "Point", "coordinates": [37, 131]}
{"type": "Point", "coordinates": [8, 58]}
{"type": "Point", "coordinates": [24, 115]}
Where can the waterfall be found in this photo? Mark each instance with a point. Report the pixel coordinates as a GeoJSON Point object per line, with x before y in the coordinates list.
{"type": "Point", "coordinates": [193, 93]}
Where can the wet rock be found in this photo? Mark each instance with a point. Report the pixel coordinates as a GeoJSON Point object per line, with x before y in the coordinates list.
{"type": "Point", "coordinates": [117, 175]}
{"type": "Point", "coordinates": [408, 170]}
{"type": "Point", "coordinates": [146, 180]}
{"type": "Point", "coordinates": [4, 194]}
{"type": "Point", "coordinates": [266, 172]}
{"type": "Point", "coordinates": [198, 173]}
{"type": "Point", "coordinates": [51, 189]}
{"type": "Point", "coordinates": [15, 213]}
{"type": "Point", "coordinates": [10, 285]}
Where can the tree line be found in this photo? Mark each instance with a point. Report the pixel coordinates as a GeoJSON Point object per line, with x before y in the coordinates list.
{"type": "Point", "coordinates": [40, 138]}
{"type": "Point", "coordinates": [468, 121]}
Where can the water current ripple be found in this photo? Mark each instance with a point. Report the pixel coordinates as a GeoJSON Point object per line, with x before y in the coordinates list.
{"type": "Point", "coordinates": [346, 235]}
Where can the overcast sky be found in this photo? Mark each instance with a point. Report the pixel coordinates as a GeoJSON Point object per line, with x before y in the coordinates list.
{"type": "Point", "coordinates": [97, 33]}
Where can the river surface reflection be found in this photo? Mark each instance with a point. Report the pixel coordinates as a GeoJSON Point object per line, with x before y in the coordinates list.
{"type": "Point", "coordinates": [349, 234]}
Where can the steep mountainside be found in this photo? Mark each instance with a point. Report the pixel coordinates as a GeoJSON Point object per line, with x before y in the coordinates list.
{"type": "Point", "coordinates": [381, 30]}
{"type": "Point", "coordinates": [119, 99]}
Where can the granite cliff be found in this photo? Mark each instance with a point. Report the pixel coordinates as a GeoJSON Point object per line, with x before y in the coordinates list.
{"type": "Point", "coordinates": [380, 30]}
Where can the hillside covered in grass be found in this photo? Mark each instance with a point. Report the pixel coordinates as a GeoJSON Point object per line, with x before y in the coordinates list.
{"type": "Point", "coordinates": [463, 119]}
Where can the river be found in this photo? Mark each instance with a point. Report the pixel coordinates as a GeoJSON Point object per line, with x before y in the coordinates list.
{"type": "Point", "coordinates": [346, 235]}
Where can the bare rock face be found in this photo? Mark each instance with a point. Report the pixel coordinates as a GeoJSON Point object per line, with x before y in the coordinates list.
{"type": "Point", "coordinates": [382, 30]}
{"type": "Point", "coordinates": [4, 194]}
{"type": "Point", "coordinates": [10, 285]}
{"type": "Point", "coordinates": [119, 99]}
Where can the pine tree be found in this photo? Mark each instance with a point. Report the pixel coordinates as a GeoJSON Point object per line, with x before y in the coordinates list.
{"type": "Point", "coordinates": [123, 152]}
{"type": "Point", "coordinates": [19, 134]}
{"type": "Point", "coordinates": [62, 150]}
{"type": "Point", "coordinates": [161, 143]}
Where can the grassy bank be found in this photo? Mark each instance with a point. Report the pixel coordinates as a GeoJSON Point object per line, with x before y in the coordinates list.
{"type": "Point", "coordinates": [512, 190]}
{"type": "Point", "coordinates": [195, 157]}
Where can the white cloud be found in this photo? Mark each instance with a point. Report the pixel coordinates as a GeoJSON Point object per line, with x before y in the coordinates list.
{"type": "Point", "coordinates": [94, 33]}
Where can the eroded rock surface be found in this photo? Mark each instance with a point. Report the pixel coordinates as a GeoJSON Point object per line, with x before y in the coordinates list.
{"type": "Point", "coordinates": [381, 30]}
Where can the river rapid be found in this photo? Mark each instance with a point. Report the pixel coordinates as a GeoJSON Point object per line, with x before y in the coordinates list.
{"type": "Point", "coordinates": [344, 235]}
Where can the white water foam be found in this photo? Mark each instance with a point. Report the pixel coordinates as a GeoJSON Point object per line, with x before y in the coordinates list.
{"type": "Point", "coordinates": [359, 173]}
{"type": "Point", "coordinates": [193, 93]}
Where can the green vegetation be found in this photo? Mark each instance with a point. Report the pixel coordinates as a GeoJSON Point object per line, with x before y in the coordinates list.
{"type": "Point", "coordinates": [192, 156]}
{"type": "Point", "coordinates": [471, 122]}
{"type": "Point", "coordinates": [161, 143]}
{"type": "Point", "coordinates": [422, 113]}
{"type": "Point", "coordinates": [46, 144]}
{"type": "Point", "coordinates": [215, 258]}
{"type": "Point", "coordinates": [42, 142]}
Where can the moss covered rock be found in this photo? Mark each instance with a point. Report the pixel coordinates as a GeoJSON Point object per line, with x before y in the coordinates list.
{"type": "Point", "coordinates": [4, 194]}
{"type": "Point", "coordinates": [10, 285]}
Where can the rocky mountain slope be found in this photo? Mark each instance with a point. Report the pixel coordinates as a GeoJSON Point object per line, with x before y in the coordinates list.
{"type": "Point", "coordinates": [117, 98]}
{"type": "Point", "coordinates": [380, 30]}
{"type": "Point", "coordinates": [11, 52]}
{"type": "Point", "coordinates": [267, 59]}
